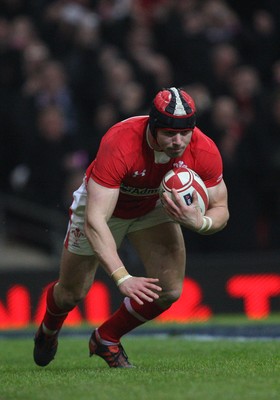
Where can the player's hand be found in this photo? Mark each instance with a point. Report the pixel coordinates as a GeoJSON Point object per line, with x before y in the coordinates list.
{"type": "Point", "coordinates": [189, 216]}
{"type": "Point", "coordinates": [140, 289]}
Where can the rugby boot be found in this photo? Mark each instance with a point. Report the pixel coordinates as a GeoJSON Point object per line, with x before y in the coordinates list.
{"type": "Point", "coordinates": [45, 347]}
{"type": "Point", "coordinates": [113, 354]}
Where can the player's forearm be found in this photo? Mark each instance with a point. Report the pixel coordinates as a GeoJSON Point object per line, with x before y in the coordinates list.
{"type": "Point", "coordinates": [214, 220]}
{"type": "Point", "coordinates": [104, 246]}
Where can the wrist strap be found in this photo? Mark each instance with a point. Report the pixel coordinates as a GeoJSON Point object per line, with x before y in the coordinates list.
{"type": "Point", "coordinates": [120, 275]}
{"type": "Point", "coordinates": [120, 281]}
{"type": "Point", "coordinates": [206, 225]}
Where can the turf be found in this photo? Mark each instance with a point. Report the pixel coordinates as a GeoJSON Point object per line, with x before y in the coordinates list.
{"type": "Point", "coordinates": [167, 368]}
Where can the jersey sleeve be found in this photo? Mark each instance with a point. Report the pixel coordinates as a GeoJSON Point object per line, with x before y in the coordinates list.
{"type": "Point", "coordinates": [109, 167]}
{"type": "Point", "coordinates": [209, 163]}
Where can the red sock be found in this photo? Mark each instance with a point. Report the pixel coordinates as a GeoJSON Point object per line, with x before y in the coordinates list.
{"type": "Point", "coordinates": [54, 316]}
{"type": "Point", "coordinates": [127, 317]}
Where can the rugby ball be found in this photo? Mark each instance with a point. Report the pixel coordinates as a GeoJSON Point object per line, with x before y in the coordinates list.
{"type": "Point", "coordinates": [185, 181]}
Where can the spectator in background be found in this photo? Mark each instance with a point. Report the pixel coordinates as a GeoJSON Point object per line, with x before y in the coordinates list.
{"type": "Point", "coordinates": [190, 43]}
{"type": "Point", "coordinates": [204, 100]}
{"type": "Point", "coordinates": [22, 33]}
{"type": "Point", "coordinates": [35, 56]}
{"type": "Point", "coordinates": [261, 43]}
{"type": "Point", "coordinates": [61, 20]}
{"type": "Point", "coordinates": [50, 160]}
{"type": "Point", "coordinates": [226, 128]}
{"type": "Point", "coordinates": [103, 117]}
{"type": "Point", "coordinates": [244, 86]}
{"type": "Point", "coordinates": [152, 69]}
{"type": "Point", "coordinates": [222, 24]}
{"type": "Point", "coordinates": [116, 76]}
{"type": "Point", "coordinates": [224, 58]}
{"type": "Point", "coordinates": [45, 85]}
{"type": "Point", "coordinates": [131, 100]}
{"type": "Point", "coordinates": [54, 89]}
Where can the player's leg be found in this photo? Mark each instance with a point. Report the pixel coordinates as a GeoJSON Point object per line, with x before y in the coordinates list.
{"type": "Point", "coordinates": [162, 251]}
{"type": "Point", "coordinates": [75, 279]}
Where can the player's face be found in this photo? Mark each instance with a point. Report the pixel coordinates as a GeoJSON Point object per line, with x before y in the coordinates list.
{"type": "Point", "coordinates": [173, 143]}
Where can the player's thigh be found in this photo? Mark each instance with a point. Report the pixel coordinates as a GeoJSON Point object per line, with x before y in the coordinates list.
{"type": "Point", "coordinates": [162, 251]}
{"type": "Point", "coordinates": [77, 272]}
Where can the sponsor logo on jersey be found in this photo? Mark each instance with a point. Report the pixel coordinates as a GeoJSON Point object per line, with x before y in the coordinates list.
{"type": "Point", "coordinates": [133, 191]}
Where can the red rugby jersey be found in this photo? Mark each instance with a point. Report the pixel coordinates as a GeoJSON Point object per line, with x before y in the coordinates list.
{"type": "Point", "coordinates": [126, 161]}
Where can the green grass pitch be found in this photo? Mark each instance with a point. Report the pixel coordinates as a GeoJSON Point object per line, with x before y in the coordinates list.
{"type": "Point", "coordinates": [168, 367]}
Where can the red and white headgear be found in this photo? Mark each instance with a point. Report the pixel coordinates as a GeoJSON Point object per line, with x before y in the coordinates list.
{"type": "Point", "coordinates": [172, 109]}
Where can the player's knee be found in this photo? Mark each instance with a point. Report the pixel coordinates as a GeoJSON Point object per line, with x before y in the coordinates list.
{"type": "Point", "coordinates": [70, 297]}
{"type": "Point", "coordinates": [169, 297]}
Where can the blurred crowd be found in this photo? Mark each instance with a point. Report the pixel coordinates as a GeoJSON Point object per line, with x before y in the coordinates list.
{"type": "Point", "coordinates": [69, 69]}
